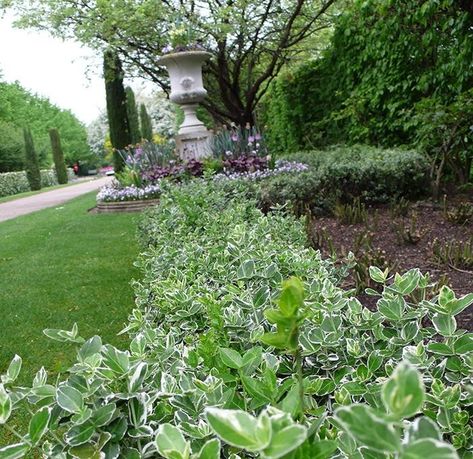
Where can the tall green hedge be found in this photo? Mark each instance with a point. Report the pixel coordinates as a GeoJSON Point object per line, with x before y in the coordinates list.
{"type": "Point", "coordinates": [384, 58]}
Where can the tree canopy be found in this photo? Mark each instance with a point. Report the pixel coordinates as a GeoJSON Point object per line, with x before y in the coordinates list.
{"type": "Point", "coordinates": [251, 40]}
{"type": "Point", "coordinates": [20, 108]}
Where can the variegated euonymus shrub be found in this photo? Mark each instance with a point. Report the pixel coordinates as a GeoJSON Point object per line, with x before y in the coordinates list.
{"type": "Point", "coordinates": [225, 363]}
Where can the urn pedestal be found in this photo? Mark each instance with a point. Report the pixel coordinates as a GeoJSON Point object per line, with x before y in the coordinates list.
{"type": "Point", "coordinates": [187, 90]}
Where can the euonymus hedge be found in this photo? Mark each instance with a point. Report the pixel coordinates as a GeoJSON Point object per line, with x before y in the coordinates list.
{"type": "Point", "coordinates": [224, 362]}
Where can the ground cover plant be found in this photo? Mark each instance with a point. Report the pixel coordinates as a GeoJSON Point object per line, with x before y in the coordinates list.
{"type": "Point", "coordinates": [56, 266]}
{"type": "Point", "coordinates": [229, 360]}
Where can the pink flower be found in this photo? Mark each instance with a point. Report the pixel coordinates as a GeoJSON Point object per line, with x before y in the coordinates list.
{"type": "Point", "coordinates": [235, 137]}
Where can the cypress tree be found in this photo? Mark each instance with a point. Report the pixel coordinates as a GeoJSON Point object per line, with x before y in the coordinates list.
{"type": "Point", "coordinates": [58, 156]}
{"type": "Point", "coordinates": [133, 118]}
{"type": "Point", "coordinates": [33, 173]}
{"type": "Point", "coordinates": [116, 106]}
{"type": "Point", "coordinates": [146, 126]}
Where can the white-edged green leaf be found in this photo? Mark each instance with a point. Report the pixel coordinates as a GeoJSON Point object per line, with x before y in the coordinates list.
{"type": "Point", "coordinates": [103, 415]}
{"type": "Point", "coordinates": [403, 393]}
{"type": "Point", "coordinates": [39, 424]}
{"type": "Point", "coordinates": [90, 347]}
{"type": "Point", "coordinates": [231, 358]}
{"type": "Point", "coordinates": [85, 451]}
{"type": "Point", "coordinates": [117, 361]}
{"type": "Point", "coordinates": [464, 344]}
{"type": "Point", "coordinates": [377, 275]}
{"type": "Point", "coordinates": [69, 399]}
{"type": "Point", "coordinates": [428, 448]}
{"type": "Point", "coordinates": [422, 428]}
{"type": "Point", "coordinates": [240, 429]}
{"type": "Point", "coordinates": [5, 405]}
{"type": "Point", "coordinates": [285, 441]}
{"type": "Point", "coordinates": [368, 428]}
{"type": "Point", "coordinates": [13, 370]}
{"type": "Point", "coordinates": [16, 451]}
{"type": "Point", "coordinates": [169, 440]}
{"type": "Point", "coordinates": [138, 376]}
{"type": "Point", "coordinates": [211, 450]}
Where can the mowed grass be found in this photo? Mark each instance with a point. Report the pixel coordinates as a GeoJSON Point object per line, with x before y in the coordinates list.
{"type": "Point", "coordinates": [26, 194]}
{"type": "Point", "coordinates": [60, 266]}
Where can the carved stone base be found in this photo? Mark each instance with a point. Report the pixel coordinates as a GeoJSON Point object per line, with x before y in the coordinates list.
{"type": "Point", "coordinates": [194, 145]}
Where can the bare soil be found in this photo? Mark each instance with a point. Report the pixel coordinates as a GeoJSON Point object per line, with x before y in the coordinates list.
{"type": "Point", "coordinates": [328, 233]}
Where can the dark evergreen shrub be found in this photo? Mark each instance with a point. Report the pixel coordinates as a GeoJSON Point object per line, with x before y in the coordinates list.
{"type": "Point", "coordinates": [31, 161]}
{"type": "Point", "coordinates": [116, 106]}
{"type": "Point", "coordinates": [58, 156]}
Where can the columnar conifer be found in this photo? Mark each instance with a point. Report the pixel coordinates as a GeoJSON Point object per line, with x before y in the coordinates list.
{"type": "Point", "coordinates": [58, 156]}
{"type": "Point", "coordinates": [146, 126]}
{"type": "Point", "coordinates": [33, 173]}
{"type": "Point", "coordinates": [133, 118]}
{"type": "Point", "coordinates": [116, 106]}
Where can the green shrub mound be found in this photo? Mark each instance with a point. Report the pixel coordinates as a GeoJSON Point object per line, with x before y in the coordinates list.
{"type": "Point", "coordinates": [343, 173]}
{"type": "Point", "coordinates": [226, 363]}
{"type": "Point", "coordinates": [16, 182]}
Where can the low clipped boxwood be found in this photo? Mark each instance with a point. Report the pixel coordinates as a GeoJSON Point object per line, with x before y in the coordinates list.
{"type": "Point", "coordinates": [343, 173]}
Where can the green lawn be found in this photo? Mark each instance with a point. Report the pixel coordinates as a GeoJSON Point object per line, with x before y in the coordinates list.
{"type": "Point", "coordinates": [61, 266]}
{"type": "Point", "coordinates": [57, 267]}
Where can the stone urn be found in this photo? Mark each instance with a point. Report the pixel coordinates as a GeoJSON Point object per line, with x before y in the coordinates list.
{"type": "Point", "coordinates": [187, 90]}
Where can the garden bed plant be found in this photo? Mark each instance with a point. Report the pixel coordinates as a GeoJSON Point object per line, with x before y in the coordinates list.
{"type": "Point", "coordinates": [234, 154]}
{"type": "Point", "coordinates": [244, 344]}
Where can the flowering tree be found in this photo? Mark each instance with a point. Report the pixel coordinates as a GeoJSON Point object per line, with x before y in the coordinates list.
{"type": "Point", "coordinates": [251, 40]}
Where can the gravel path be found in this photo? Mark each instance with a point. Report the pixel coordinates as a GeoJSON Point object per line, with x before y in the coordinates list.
{"type": "Point", "coordinates": [23, 206]}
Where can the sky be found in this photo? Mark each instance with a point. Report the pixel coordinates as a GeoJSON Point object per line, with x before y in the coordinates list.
{"type": "Point", "coordinates": [68, 74]}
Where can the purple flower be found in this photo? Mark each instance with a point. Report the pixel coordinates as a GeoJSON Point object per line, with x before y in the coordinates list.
{"type": "Point", "coordinates": [235, 137]}
{"type": "Point", "coordinates": [251, 139]}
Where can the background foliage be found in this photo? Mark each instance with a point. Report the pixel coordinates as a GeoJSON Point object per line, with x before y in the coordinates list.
{"type": "Point", "coordinates": [384, 58]}
{"type": "Point", "coordinates": [19, 107]}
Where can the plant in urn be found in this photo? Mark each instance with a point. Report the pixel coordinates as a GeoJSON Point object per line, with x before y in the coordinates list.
{"type": "Point", "coordinates": [184, 65]}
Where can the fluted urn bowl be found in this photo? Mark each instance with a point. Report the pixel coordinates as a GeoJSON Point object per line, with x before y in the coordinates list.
{"type": "Point", "coordinates": [185, 73]}
{"type": "Point", "coordinates": [187, 90]}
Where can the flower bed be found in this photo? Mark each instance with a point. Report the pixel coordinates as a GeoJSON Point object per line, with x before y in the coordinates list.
{"type": "Point", "coordinates": [117, 193]}
{"type": "Point", "coordinates": [281, 167]}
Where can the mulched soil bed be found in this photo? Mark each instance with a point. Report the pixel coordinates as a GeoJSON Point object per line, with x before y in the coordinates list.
{"type": "Point", "coordinates": [432, 224]}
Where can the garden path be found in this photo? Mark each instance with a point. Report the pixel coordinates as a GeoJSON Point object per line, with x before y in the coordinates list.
{"type": "Point", "coordinates": [23, 206]}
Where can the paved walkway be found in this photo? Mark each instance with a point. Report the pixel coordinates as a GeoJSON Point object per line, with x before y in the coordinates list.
{"type": "Point", "coordinates": [23, 206]}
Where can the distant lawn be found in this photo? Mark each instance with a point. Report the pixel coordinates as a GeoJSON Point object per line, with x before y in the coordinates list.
{"type": "Point", "coordinates": [60, 266]}
{"type": "Point", "coordinates": [57, 267]}
{"type": "Point", "coordinates": [32, 193]}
